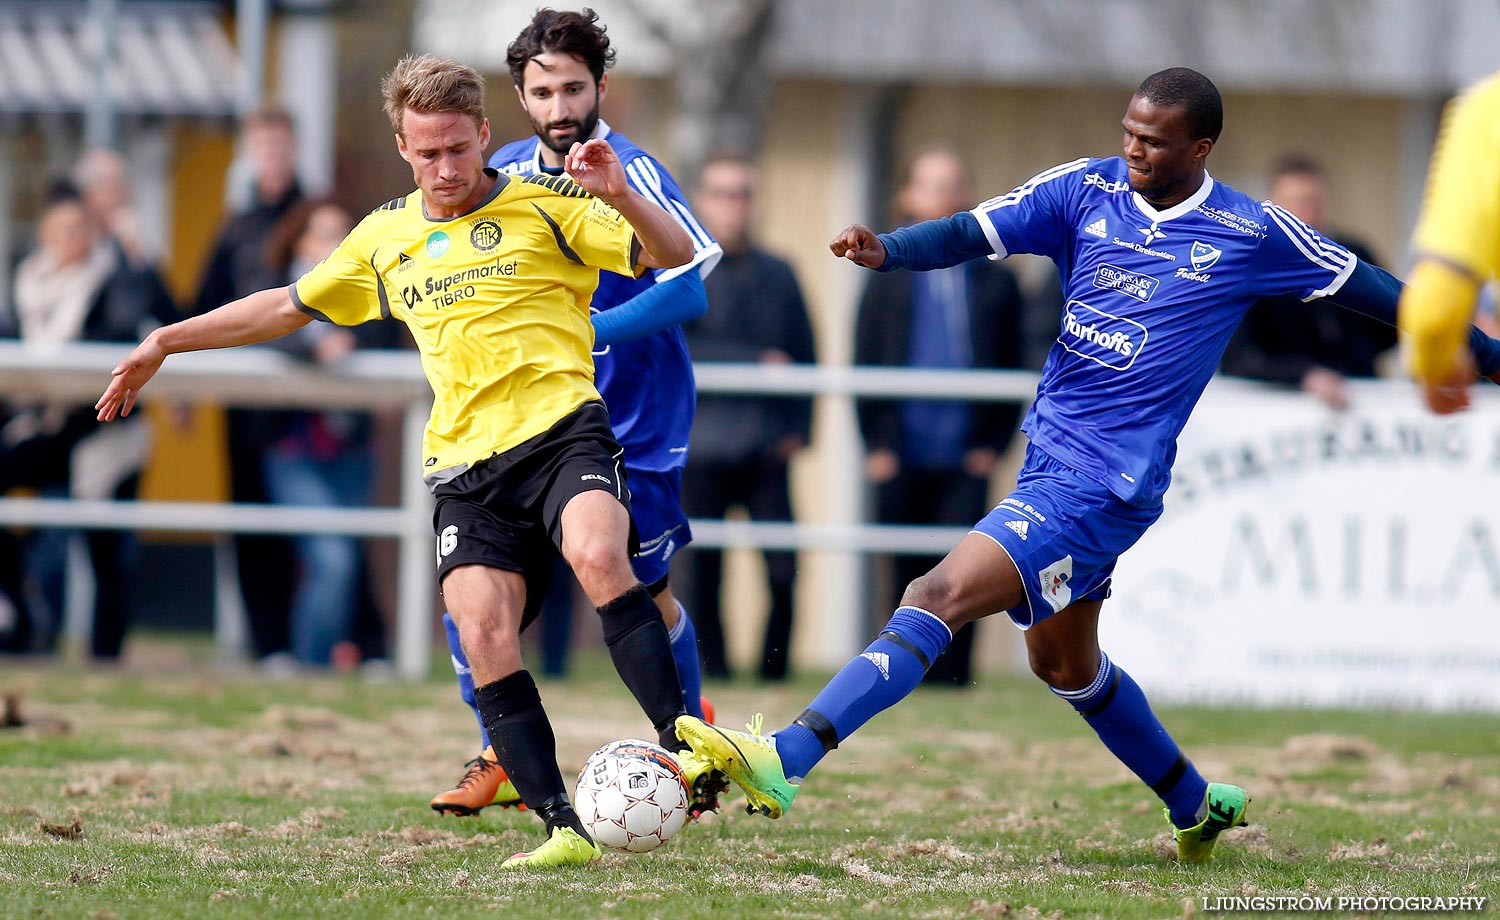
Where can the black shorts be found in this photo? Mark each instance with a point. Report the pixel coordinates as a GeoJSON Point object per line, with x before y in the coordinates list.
{"type": "Point", "coordinates": [506, 512]}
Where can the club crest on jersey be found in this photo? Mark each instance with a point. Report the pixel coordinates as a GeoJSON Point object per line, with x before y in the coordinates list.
{"type": "Point", "coordinates": [1203, 256]}
{"type": "Point", "coordinates": [485, 235]}
{"type": "Point", "coordinates": [1104, 338]}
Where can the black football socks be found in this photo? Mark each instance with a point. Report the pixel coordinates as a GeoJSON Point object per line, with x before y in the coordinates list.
{"type": "Point", "coordinates": [526, 747]}
{"type": "Point", "coordinates": [642, 653]}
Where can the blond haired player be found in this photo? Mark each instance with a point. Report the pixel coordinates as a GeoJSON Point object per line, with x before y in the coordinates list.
{"type": "Point", "coordinates": [493, 275]}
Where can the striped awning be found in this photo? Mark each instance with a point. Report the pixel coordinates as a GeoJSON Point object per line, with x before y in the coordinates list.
{"type": "Point", "coordinates": [169, 59]}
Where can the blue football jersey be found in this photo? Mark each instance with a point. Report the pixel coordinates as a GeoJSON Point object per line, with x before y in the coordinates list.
{"type": "Point", "coordinates": [647, 383]}
{"type": "Point", "coordinates": [1151, 299]}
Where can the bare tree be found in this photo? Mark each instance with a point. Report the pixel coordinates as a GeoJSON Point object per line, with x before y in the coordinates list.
{"type": "Point", "coordinates": [720, 73]}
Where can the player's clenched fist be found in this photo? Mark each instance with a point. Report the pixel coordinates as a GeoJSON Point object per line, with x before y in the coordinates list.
{"type": "Point", "coordinates": [594, 165]}
{"type": "Point", "coordinates": [859, 245]}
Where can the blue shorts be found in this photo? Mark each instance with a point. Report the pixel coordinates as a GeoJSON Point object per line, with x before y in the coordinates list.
{"type": "Point", "coordinates": [656, 508]}
{"type": "Point", "coordinates": [1064, 531]}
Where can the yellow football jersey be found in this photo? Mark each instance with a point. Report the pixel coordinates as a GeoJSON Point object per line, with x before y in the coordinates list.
{"type": "Point", "coordinates": [1460, 220]}
{"type": "Point", "coordinates": [1458, 233]}
{"type": "Point", "coordinates": [497, 300]}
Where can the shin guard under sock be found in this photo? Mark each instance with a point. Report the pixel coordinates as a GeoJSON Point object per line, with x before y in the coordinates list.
{"type": "Point", "coordinates": [526, 748]}
{"type": "Point", "coordinates": [1116, 709]}
{"type": "Point", "coordinates": [642, 655]}
{"type": "Point", "coordinates": [684, 639]}
{"type": "Point", "coordinates": [878, 679]}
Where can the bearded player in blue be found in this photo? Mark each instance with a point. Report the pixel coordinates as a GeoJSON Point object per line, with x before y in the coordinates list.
{"type": "Point", "coordinates": [641, 363]}
{"type": "Point", "coordinates": [1160, 263]}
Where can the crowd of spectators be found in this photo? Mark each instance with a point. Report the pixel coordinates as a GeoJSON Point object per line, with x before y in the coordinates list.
{"type": "Point", "coordinates": [90, 276]}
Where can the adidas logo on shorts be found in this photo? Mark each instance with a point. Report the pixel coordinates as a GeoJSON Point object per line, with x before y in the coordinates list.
{"type": "Point", "coordinates": [1020, 527]}
{"type": "Point", "coordinates": [1098, 228]}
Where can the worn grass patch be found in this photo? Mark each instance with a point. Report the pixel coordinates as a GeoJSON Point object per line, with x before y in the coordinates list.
{"type": "Point", "coordinates": [190, 792]}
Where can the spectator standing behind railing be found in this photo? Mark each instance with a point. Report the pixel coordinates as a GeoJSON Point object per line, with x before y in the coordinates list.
{"type": "Point", "coordinates": [1312, 346]}
{"type": "Point", "coordinates": [321, 458]}
{"type": "Point", "coordinates": [235, 268]}
{"type": "Point", "coordinates": [930, 460]}
{"type": "Point", "coordinates": [103, 181]}
{"type": "Point", "coordinates": [76, 287]}
{"type": "Point", "coordinates": [741, 445]}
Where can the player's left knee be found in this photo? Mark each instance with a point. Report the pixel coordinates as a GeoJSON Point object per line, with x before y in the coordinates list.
{"type": "Point", "coordinates": [599, 564]}
{"type": "Point", "coordinates": [938, 596]}
{"type": "Point", "coordinates": [1063, 672]}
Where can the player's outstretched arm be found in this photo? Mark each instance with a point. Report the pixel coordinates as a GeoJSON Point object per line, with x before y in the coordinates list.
{"type": "Point", "coordinates": [1435, 308]}
{"type": "Point", "coordinates": [594, 165]}
{"type": "Point", "coordinates": [1375, 293]}
{"type": "Point", "coordinates": [260, 317]}
{"type": "Point", "coordinates": [860, 245]}
{"type": "Point", "coordinates": [921, 247]}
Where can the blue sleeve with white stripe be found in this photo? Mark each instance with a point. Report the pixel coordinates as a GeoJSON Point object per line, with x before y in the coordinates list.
{"type": "Point", "coordinates": [652, 180]}
{"type": "Point", "coordinates": [1295, 259]}
{"type": "Point", "coordinates": [1034, 217]}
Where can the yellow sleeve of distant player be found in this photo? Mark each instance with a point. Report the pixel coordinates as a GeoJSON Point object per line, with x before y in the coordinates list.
{"type": "Point", "coordinates": [1457, 239]}
{"type": "Point", "coordinates": [344, 288]}
{"type": "Point", "coordinates": [596, 232]}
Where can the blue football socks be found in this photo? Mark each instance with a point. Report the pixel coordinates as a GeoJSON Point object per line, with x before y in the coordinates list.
{"type": "Point", "coordinates": [465, 677]}
{"type": "Point", "coordinates": [878, 679]}
{"type": "Point", "coordinates": [1116, 709]}
{"type": "Point", "coordinates": [684, 639]}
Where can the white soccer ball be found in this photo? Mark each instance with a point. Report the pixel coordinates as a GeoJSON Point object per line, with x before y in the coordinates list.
{"type": "Point", "coordinates": [632, 796]}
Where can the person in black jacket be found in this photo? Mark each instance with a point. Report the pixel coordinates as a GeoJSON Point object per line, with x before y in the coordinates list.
{"type": "Point", "coordinates": [76, 286]}
{"type": "Point", "coordinates": [236, 267]}
{"type": "Point", "coordinates": [741, 445]}
{"type": "Point", "coordinates": [1314, 347]}
{"type": "Point", "coordinates": [930, 461]}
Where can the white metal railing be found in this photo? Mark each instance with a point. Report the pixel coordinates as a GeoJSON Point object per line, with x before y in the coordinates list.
{"type": "Point", "coordinates": [384, 380]}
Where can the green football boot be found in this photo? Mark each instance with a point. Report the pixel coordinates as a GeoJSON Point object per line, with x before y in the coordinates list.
{"type": "Point", "coordinates": [748, 758]}
{"type": "Point", "coordinates": [1227, 806]}
{"type": "Point", "coordinates": [705, 783]}
{"type": "Point", "coordinates": [566, 847]}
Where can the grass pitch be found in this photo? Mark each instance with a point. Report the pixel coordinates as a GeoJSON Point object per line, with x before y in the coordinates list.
{"type": "Point", "coordinates": [198, 793]}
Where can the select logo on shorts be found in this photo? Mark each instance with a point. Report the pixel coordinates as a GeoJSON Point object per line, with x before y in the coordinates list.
{"type": "Point", "coordinates": [1114, 278]}
{"type": "Point", "coordinates": [596, 477]}
{"type": "Point", "coordinates": [437, 244]}
{"type": "Point", "coordinates": [1055, 580]}
{"type": "Point", "coordinates": [485, 235]}
{"type": "Point", "coordinates": [1103, 338]}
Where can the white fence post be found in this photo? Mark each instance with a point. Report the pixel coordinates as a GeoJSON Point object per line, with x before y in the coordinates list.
{"type": "Point", "coordinates": [416, 583]}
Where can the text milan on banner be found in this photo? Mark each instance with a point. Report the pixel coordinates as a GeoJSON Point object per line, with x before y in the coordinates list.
{"type": "Point", "coordinates": [1309, 556]}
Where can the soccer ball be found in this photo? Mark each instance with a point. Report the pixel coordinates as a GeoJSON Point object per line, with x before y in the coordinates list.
{"type": "Point", "coordinates": [632, 796]}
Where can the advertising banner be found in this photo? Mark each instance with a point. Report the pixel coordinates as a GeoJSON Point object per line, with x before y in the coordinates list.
{"type": "Point", "coordinates": [1319, 557]}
